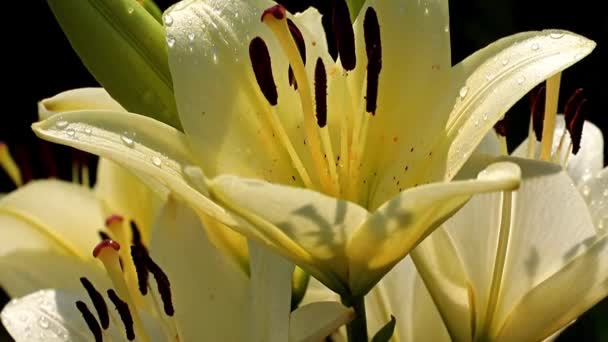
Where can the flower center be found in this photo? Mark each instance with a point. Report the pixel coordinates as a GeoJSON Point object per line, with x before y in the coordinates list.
{"type": "Point", "coordinates": [335, 174]}
{"type": "Point", "coordinates": [129, 271]}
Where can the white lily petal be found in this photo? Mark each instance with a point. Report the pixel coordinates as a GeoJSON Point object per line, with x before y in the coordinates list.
{"type": "Point", "coordinates": [590, 158]}
{"type": "Point", "coordinates": [227, 119]}
{"type": "Point", "coordinates": [122, 192]}
{"type": "Point", "coordinates": [70, 219]}
{"type": "Point", "coordinates": [512, 73]}
{"type": "Point", "coordinates": [316, 321]}
{"type": "Point", "coordinates": [401, 293]}
{"type": "Point", "coordinates": [210, 292]}
{"type": "Point", "coordinates": [284, 216]}
{"type": "Point", "coordinates": [401, 223]}
{"type": "Point", "coordinates": [49, 316]}
{"type": "Point", "coordinates": [148, 146]}
{"type": "Point", "coordinates": [595, 193]}
{"type": "Point", "coordinates": [77, 99]}
{"type": "Point", "coordinates": [270, 294]}
{"type": "Point", "coordinates": [578, 285]}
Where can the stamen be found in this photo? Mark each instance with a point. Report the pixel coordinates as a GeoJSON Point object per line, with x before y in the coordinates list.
{"type": "Point", "coordinates": [124, 313]}
{"type": "Point", "coordinates": [9, 165]}
{"type": "Point", "coordinates": [572, 104]}
{"type": "Point", "coordinates": [163, 285]}
{"type": "Point", "coordinates": [262, 68]}
{"type": "Point", "coordinates": [575, 127]}
{"type": "Point", "coordinates": [113, 220]}
{"type": "Point", "coordinates": [373, 48]}
{"type": "Point", "coordinates": [98, 303]}
{"type": "Point", "coordinates": [297, 36]}
{"type": "Point", "coordinates": [274, 18]}
{"type": "Point", "coordinates": [108, 252]}
{"type": "Point", "coordinates": [552, 97]}
{"type": "Point", "coordinates": [90, 320]}
{"type": "Point", "coordinates": [103, 235]}
{"type": "Point", "coordinates": [321, 93]}
{"type": "Point", "coordinates": [138, 256]}
{"type": "Point", "coordinates": [537, 112]}
{"type": "Point", "coordinates": [136, 235]}
{"type": "Point", "coordinates": [345, 36]}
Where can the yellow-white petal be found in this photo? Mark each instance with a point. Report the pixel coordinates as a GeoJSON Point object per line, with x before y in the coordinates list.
{"type": "Point", "coordinates": [562, 297]}
{"type": "Point", "coordinates": [122, 192]}
{"type": "Point", "coordinates": [315, 321]}
{"type": "Point", "coordinates": [493, 87]}
{"type": "Point", "coordinates": [210, 291]}
{"type": "Point", "coordinates": [77, 99]}
{"type": "Point", "coordinates": [270, 294]}
{"type": "Point", "coordinates": [400, 224]}
{"type": "Point", "coordinates": [309, 228]}
{"type": "Point", "coordinates": [227, 119]}
{"type": "Point", "coordinates": [595, 193]}
{"type": "Point", "coordinates": [137, 142]}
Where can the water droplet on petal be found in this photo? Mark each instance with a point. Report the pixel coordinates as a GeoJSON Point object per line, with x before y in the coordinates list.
{"type": "Point", "coordinates": [70, 132]}
{"type": "Point", "coordinates": [168, 19]}
{"type": "Point", "coordinates": [605, 193]}
{"type": "Point", "coordinates": [586, 190]}
{"type": "Point", "coordinates": [476, 123]}
{"type": "Point", "coordinates": [489, 77]}
{"type": "Point", "coordinates": [88, 131]}
{"type": "Point", "coordinates": [43, 322]}
{"type": "Point", "coordinates": [170, 41]}
{"type": "Point", "coordinates": [127, 140]}
{"type": "Point", "coordinates": [156, 161]}
{"type": "Point", "coordinates": [485, 116]}
{"type": "Point", "coordinates": [521, 80]}
{"type": "Point", "coordinates": [61, 124]}
{"type": "Point", "coordinates": [556, 35]}
{"type": "Point", "coordinates": [191, 36]}
{"type": "Point", "coordinates": [426, 11]}
{"type": "Point", "coordinates": [463, 92]}
{"type": "Point", "coordinates": [130, 10]}
{"type": "Point", "coordinates": [505, 61]}
{"type": "Point", "coordinates": [535, 46]}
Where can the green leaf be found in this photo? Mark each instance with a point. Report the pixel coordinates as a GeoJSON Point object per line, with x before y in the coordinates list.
{"type": "Point", "coordinates": [124, 47]}
{"type": "Point", "coordinates": [385, 334]}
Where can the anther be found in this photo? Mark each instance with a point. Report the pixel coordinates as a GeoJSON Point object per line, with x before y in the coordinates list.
{"type": "Point", "coordinates": [298, 37]}
{"type": "Point", "coordinates": [538, 112]}
{"type": "Point", "coordinates": [113, 220]}
{"type": "Point", "coordinates": [345, 36]}
{"type": "Point", "coordinates": [373, 49]}
{"type": "Point", "coordinates": [90, 320]}
{"type": "Point", "coordinates": [136, 235]}
{"type": "Point", "coordinates": [572, 105]}
{"type": "Point", "coordinates": [98, 303]}
{"type": "Point", "coordinates": [321, 93]}
{"type": "Point", "coordinates": [124, 313]}
{"type": "Point", "coordinates": [262, 68]}
{"type": "Point", "coordinates": [277, 11]}
{"type": "Point", "coordinates": [104, 245]}
{"type": "Point", "coordinates": [139, 260]}
{"type": "Point", "coordinates": [575, 127]}
{"type": "Point", "coordinates": [163, 285]}
{"type": "Point", "coordinates": [103, 235]}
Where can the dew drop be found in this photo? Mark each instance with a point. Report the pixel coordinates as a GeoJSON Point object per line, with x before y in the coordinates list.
{"type": "Point", "coordinates": [214, 58]}
{"type": "Point", "coordinates": [156, 161]}
{"type": "Point", "coordinates": [130, 10]}
{"type": "Point", "coordinates": [168, 19]}
{"type": "Point", "coordinates": [505, 61]}
{"type": "Point", "coordinates": [463, 92]}
{"type": "Point", "coordinates": [586, 190]}
{"type": "Point", "coordinates": [191, 36]}
{"type": "Point", "coordinates": [70, 132]}
{"type": "Point", "coordinates": [485, 116]}
{"type": "Point", "coordinates": [556, 35]}
{"type": "Point", "coordinates": [88, 131]}
{"type": "Point", "coordinates": [446, 29]}
{"type": "Point", "coordinates": [521, 80]}
{"type": "Point", "coordinates": [127, 140]}
{"type": "Point", "coordinates": [489, 77]}
{"type": "Point", "coordinates": [476, 123]}
{"type": "Point", "coordinates": [535, 47]}
{"type": "Point", "coordinates": [43, 322]}
{"type": "Point", "coordinates": [61, 124]}
{"type": "Point", "coordinates": [605, 193]}
{"type": "Point", "coordinates": [170, 41]}
{"type": "Point", "coordinates": [426, 11]}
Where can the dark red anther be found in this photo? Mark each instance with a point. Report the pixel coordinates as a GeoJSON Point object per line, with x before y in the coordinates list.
{"type": "Point", "coordinates": [501, 127]}
{"type": "Point", "coordinates": [538, 112]}
{"type": "Point", "coordinates": [124, 313]}
{"type": "Point", "coordinates": [139, 256]}
{"type": "Point", "coordinates": [321, 93]}
{"type": "Point", "coordinates": [103, 235]}
{"type": "Point", "coordinates": [277, 11]}
{"type": "Point", "coordinates": [345, 36]}
{"type": "Point", "coordinates": [262, 68]}
{"type": "Point", "coordinates": [298, 37]}
{"type": "Point", "coordinates": [572, 104]}
{"type": "Point", "coordinates": [98, 302]}
{"type": "Point", "coordinates": [105, 244]}
{"type": "Point", "coordinates": [575, 126]}
{"type": "Point", "coordinates": [112, 219]}
{"type": "Point", "coordinates": [90, 320]}
{"type": "Point", "coordinates": [163, 285]}
{"type": "Point", "coordinates": [373, 49]}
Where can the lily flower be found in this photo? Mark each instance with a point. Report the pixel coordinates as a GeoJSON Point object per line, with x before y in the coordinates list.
{"type": "Point", "coordinates": [198, 294]}
{"type": "Point", "coordinates": [330, 142]}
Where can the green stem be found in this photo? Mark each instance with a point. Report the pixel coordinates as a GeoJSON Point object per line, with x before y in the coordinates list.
{"type": "Point", "coordinates": [357, 328]}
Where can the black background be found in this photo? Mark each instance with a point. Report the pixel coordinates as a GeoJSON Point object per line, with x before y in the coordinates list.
{"type": "Point", "coordinates": [38, 62]}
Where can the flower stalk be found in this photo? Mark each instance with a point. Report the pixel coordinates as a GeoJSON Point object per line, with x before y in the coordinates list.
{"type": "Point", "coordinates": [357, 329]}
